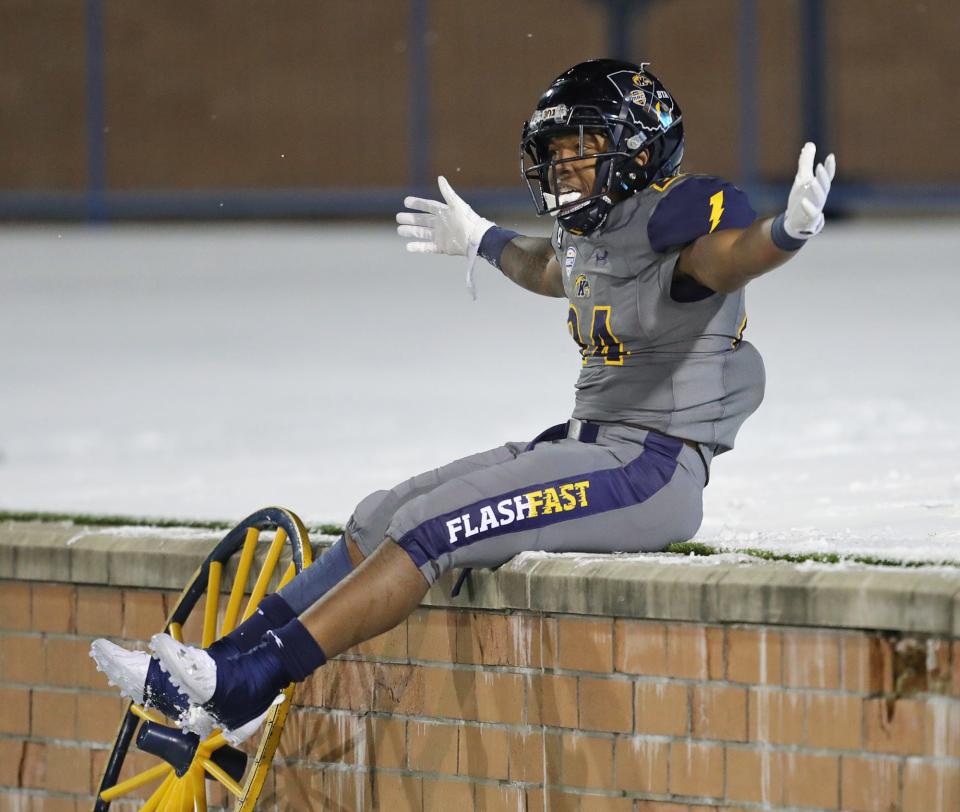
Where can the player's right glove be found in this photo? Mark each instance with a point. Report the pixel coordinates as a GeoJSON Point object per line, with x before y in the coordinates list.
{"type": "Point", "coordinates": [803, 218]}
{"type": "Point", "coordinates": [443, 228]}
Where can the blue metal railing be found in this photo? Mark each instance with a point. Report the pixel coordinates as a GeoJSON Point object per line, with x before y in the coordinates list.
{"type": "Point", "coordinates": [620, 17]}
{"type": "Point", "coordinates": [766, 198]}
{"type": "Point", "coordinates": [96, 113]}
{"type": "Point", "coordinates": [749, 92]}
{"type": "Point", "coordinates": [419, 125]}
{"type": "Point", "coordinates": [814, 60]}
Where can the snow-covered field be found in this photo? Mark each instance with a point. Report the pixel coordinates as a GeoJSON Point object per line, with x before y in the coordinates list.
{"type": "Point", "coordinates": [184, 371]}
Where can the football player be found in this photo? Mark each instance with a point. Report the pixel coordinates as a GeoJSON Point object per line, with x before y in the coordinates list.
{"type": "Point", "coordinates": [653, 264]}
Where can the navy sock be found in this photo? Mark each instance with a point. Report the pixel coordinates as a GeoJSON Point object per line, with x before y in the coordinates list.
{"type": "Point", "coordinates": [272, 613]}
{"type": "Point", "coordinates": [318, 579]}
{"type": "Point", "coordinates": [247, 683]}
{"type": "Point", "coordinates": [300, 654]}
{"type": "Point", "coordinates": [160, 693]}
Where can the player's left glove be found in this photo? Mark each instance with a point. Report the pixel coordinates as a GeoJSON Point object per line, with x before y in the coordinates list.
{"type": "Point", "coordinates": [804, 218]}
{"type": "Point", "coordinates": [443, 228]}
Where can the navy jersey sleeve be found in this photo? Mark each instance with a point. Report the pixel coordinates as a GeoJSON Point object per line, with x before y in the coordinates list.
{"type": "Point", "coordinates": [694, 207]}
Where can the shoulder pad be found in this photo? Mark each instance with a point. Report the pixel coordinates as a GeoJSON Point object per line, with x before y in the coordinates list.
{"type": "Point", "coordinates": [691, 206]}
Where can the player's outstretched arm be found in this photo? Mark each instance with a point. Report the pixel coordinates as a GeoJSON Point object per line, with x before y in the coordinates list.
{"type": "Point", "coordinates": [452, 227]}
{"type": "Point", "coordinates": [725, 261]}
{"type": "Point", "coordinates": [532, 263]}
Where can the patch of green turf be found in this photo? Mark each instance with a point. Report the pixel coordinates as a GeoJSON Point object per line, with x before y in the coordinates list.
{"type": "Point", "coordinates": [699, 548]}
{"type": "Point", "coordinates": [106, 520]}
{"type": "Point", "coordinates": [137, 521]}
{"type": "Point", "coordinates": [690, 548]}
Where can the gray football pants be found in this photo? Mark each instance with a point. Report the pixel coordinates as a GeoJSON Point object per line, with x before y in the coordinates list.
{"type": "Point", "coordinates": [616, 489]}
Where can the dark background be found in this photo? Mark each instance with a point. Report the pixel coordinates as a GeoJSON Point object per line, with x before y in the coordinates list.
{"type": "Point", "coordinates": [230, 108]}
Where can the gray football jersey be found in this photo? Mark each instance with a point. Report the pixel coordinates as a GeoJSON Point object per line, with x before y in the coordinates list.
{"type": "Point", "coordinates": [678, 367]}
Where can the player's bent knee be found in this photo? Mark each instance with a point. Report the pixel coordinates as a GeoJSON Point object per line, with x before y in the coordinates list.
{"type": "Point", "coordinates": [353, 549]}
{"type": "Point", "coordinates": [409, 573]}
{"type": "Point", "coordinates": [689, 520]}
{"type": "Point", "coordinates": [367, 525]}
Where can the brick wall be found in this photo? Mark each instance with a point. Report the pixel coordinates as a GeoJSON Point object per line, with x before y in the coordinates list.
{"type": "Point", "coordinates": [243, 94]}
{"type": "Point", "coordinates": [524, 710]}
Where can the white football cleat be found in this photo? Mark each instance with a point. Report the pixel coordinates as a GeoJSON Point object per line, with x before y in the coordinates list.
{"type": "Point", "coordinates": [200, 721]}
{"type": "Point", "coordinates": [126, 670]}
{"type": "Point", "coordinates": [196, 720]}
{"type": "Point", "coordinates": [191, 669]}
{"type": "Point", "coordinates": [194, 672]}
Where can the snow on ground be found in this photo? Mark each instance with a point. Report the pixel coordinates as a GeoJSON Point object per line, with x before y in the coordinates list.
{"type": "Point", "coordinates": [185, 371]}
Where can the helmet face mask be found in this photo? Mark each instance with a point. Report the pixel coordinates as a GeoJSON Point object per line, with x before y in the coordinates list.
{"type": "Point", "coordinates": [556, 172]}
{"type": "Point", "coordinates": [619, 102]}
{"type": "Point", "coordinates": [545, 172]}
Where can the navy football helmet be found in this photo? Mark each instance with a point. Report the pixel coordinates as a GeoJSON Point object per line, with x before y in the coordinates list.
{"type": "Point", "coordinates": [631, 109]}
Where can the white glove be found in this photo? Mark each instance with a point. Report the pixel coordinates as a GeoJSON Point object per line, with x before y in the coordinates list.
{"type": "Point", "coordinates": [444, 228]}
{"type": "Point", "coordinates": [804, 215]}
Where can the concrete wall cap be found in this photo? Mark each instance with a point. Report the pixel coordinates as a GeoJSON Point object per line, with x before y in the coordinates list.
{"type": "Point", "coordinates": [712, 589]}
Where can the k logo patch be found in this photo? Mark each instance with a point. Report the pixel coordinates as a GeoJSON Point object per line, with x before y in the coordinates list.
{"type": "Point", "coordinates": [581, 287]}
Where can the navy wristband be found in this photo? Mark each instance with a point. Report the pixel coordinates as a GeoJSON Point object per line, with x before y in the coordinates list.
{"type": "Point", "coordinates": [493, 242]}
{"type": "Point", "coordinates": [781, 239]}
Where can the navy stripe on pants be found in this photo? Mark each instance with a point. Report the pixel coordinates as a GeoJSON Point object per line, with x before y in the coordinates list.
{"type": "Point", "coordinates": [609, 489]}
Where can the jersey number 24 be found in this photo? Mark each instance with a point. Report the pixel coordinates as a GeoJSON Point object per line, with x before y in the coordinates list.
{"type": "Point", "coordinates": [603, 342]}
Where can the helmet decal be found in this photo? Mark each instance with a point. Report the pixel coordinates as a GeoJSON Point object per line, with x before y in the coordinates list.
{"type": "Point", "coordinates": [558, 113]}
{"type": "Point", "coordinates": [665, 117]}
{"type": "Point", "coordinates": [622, 81]}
